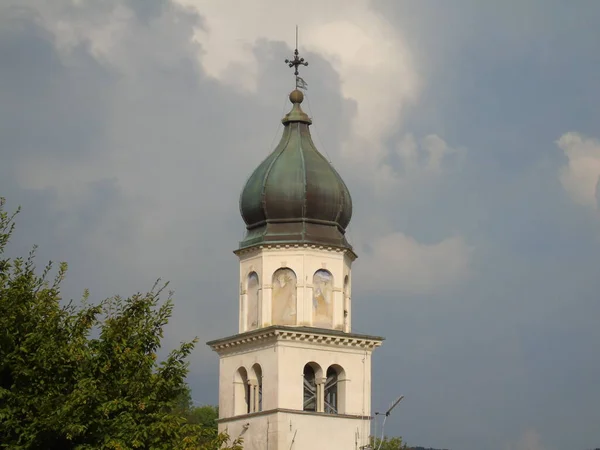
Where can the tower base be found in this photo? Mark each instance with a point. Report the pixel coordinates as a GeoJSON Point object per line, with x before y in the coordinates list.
{"type": "Point", "coordinates": [281, 429]}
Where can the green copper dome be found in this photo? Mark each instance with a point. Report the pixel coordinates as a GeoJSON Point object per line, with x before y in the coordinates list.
{"type": "Point", "coordinates": [295, 196]}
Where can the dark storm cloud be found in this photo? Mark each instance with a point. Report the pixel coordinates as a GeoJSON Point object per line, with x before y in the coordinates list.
{"type": "Point", "coordinates": [128, 164]}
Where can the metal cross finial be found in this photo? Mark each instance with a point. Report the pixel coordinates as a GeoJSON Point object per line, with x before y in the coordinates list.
{"type": "Point", "coordinates": [296, 61]}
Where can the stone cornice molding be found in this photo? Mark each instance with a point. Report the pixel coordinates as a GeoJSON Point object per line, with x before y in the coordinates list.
{"type": "Point", "coordinates": [278, 333]}
{"type": "Point", "coordinates": [258, 248]}
{"type": "Point", "coordinates": [292, 411]}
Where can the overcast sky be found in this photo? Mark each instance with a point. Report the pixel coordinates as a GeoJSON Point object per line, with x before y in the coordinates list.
{"type": "Point", "coordinates": [468, 133]}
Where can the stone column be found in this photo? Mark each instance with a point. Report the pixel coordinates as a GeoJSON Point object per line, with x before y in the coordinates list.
{"type": "Point", "coordinates": [251, 400]}
{"type": "Point", "coordinates": [320, 397]}
{"type": "Point", "coordinates": [256, 397]}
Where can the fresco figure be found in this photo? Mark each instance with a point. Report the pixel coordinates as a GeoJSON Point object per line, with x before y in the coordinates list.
{"type": "Point", "coordinates": [284, 297]}
{"type": "Point", "coordinates": [322, 299]}
{"type": "Point", "coordinates": [253, 303]}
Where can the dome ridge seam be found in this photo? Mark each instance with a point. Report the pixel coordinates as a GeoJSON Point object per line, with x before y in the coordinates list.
{"type": "Point", "coordinates": [282, 146]}
{"type": "Point", "coordinates": [342, 199]}
{"type": "Point", "coordinates": [305, 183]}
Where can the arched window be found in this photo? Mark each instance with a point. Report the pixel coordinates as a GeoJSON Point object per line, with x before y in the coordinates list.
{"type": "Point", "coordinates": [322, 299]}
{"type": "Point", "coordinates": [253, 313]}
{"type": "Point", "coordinates": [331, 391]}
{"type": "Point", "coordinates": [284, 297]}
{"type": "Point", "coordinates": [241, 392]}
{"type": "Point", "coordinates": [334, 392]}
{"type": "Point", "coordinates": [310, 389]}
{"type": "Point", "coordinates": [257, 386]}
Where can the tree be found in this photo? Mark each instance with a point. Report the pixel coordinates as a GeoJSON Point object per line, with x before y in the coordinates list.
{"type": "Point", "coordinates": [387, 443]}
{"type": "Point", "coordinates": [86, 376]}
{"type": "Point", "coordinates": [205, 416]}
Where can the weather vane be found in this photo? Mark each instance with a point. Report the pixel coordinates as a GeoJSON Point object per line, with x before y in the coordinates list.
{"type": "Point", "coordinates": [297, 62]}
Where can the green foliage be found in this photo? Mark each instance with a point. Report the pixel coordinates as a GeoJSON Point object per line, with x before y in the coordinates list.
{"type": "Point", "coordinates": [204, 416]}
{"type": "Point", "coordinates": [87, 376]}
{"type": "Point", "coordinates": [387, 443]}
{"type": "Point", "coordinates": [393, 443]}
{"type": "Point", "coordinates": [423, 448]}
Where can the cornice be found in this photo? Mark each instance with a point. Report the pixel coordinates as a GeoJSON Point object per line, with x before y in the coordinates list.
{"type": "Point", "coordinates": [275, 246]}
{"type": "Point", "coordinates": [277, 333]}
{"type": "Point", "coordinates": [292, 411]}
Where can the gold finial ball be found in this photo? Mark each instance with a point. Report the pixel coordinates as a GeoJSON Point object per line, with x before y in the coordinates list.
{"type": "Point", "coordinates": [296, 96]}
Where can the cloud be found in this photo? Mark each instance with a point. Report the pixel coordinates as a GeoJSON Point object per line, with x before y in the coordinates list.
{"type": "Point", "coordinates": [398, 263]}
{"type": "Point", "coordinates": [128, 127]}
{"type": "Point", "coordinates": [375, 65]}
{"type": "Point", "coordinates": [427, 157]}
{"type": "Point", "coordinates": [149, 127]}
{"type": "Point", "coordinates": [581, 175]}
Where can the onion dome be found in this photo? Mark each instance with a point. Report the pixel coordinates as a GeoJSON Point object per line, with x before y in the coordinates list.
{"type": "Point", "coordinates": [295, 196]}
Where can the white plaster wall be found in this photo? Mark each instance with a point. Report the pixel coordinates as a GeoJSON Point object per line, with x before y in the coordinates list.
{"type": "Point", "coordinates": [266, 357]}
{"type": "Point", "coordinates": [282, 364]}
{"type": "Point", "coordinates": [304, 261]}
{"type": "Point", "coordinates": [261, 434]}
{"type": "Point", "coordinates": [308, 431]}
{"type": "Point", "coordinates": [322, 432]}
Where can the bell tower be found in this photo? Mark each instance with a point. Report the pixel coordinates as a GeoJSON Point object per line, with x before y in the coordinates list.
{"type": "Point", "coordinates": [295, 376]}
